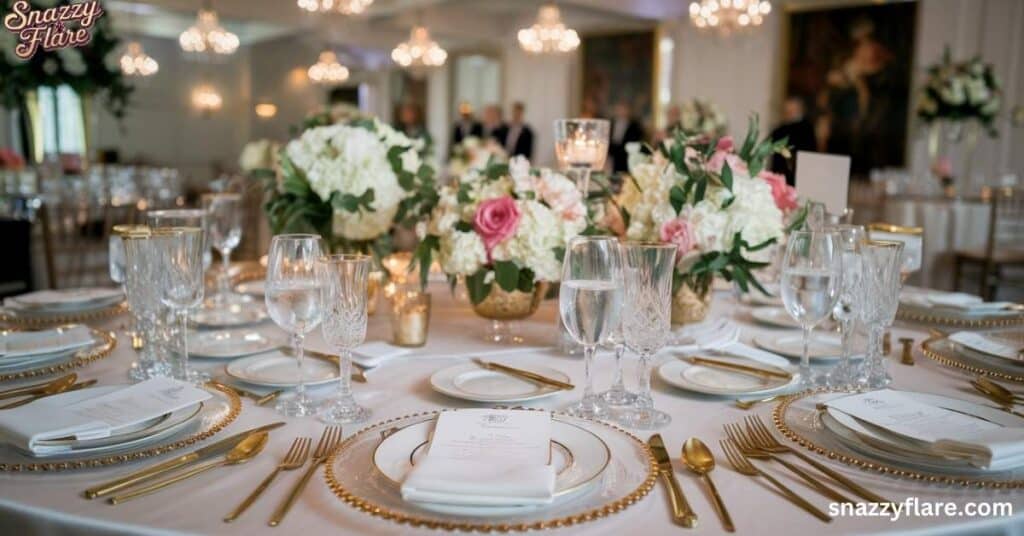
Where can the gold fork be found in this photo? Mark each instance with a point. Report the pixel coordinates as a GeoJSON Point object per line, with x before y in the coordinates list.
{"type": "Point", "coordinates": [764, 439]}
{"type": "Point", "coordinates": [329, 441]}
{"type": "Point", "coordinates": [294, 459]}
{"type": "Point", "coordinates": [747, 404]}
{"type": "Point", "coordinates": [743, 466]}
{"type": "Point", "coordinates": [750, 449]}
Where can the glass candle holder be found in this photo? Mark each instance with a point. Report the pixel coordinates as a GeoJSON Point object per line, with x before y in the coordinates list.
{"type": "Point", "coordinates": [373, 285]}
{"type": "Point", "coordinates": [410, 318]}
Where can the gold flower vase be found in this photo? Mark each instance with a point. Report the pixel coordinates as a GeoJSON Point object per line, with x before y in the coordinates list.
{"type": "Point", "coordinates": [501, 307]}
{"type": "Point", "coordinates": [688, 307]}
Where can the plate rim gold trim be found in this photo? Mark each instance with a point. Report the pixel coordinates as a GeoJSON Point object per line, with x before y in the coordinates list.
{"type": "Point", "coordinates": [375, 510]}
{"type": "Point", "coordinates": [234, 409]}
{"type": "Point", "coordinates": [933, 354]}
{"type": "Point", "coordinates": [79, 359]}
{"type": "Point", "coordinates": [992, 322]}
{"type": "Point", "coordinates": [15, 321]}
{"type": "Point", "coordinates": [874, 466]}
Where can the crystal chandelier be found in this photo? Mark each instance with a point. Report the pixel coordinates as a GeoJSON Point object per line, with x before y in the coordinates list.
{"type": "Point", "coordinates": [135, 61]}
{"type": "Point", "coordinates": [548, 34]}
{"type": "Point", "coordinates": [729, 15]}
{"type": "Point", "coordinates": [207, 35]}
{"type": "Point", "coordinates": [345, 7]}
{"type": "Point", "coordinates": [327, 70]}
{"type": "Point", "coordinates": [206, 99]}
{"type": "Point", "coordinates": [419, 52]}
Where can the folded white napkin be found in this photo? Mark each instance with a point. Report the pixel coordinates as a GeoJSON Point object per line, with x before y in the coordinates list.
{"type": "Point", "coordinates": [485, 457]}
{"type": "Point", "coordinates": [87, 415]}
{"type": "Point", "coordinates": [17, 344]}
{"type": "Point", "coordinates": [373, 354]}
{"type": "Point", "coordinates": [710, 334]}
{"type": "Point", "coordinates": [954, 301]}
{"type": "Point", "coordinates": [42, 299]}
{"type": "Point", "coordinates": [986, 344]}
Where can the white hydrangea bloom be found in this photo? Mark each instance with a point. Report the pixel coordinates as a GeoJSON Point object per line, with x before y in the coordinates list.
{"type": "Point", "coordinates": [461, 253]}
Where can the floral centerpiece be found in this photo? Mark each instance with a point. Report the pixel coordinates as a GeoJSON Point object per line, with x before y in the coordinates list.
{"type": "Point", "coordinates": [715, 202]}
{"type": "Point", "coordinates": [701, 116]}
{"type": "Point", "coordinates": [474, 153]}
{"type": "Point", "coordinates": [960, 92]}
{"type": "Point", "coordinates": [503, 230]}
{"type": "Point", "coordinates": [351, 182]}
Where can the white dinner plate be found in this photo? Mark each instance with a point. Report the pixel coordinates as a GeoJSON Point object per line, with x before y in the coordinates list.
{"type": "Point", "coordinates": [822, 347]}
{"type": "Point", "coordinates": [67, 300]}
{"type": "Point", "coordinates": [21, 345]}
{"type": "Point", "coordinates": [774, 316]}
{"type": "Point", "coordinates": [579, 457]}
{"type": "Point", "coordinates": [255, 287]}
{"type": "Point", "coordinates": [470, 382]}
{"type": "Point", "coordinates": [862, 437]}
{"type": "Point", "coordinates": [224, 344]}
{"type": "Point", "coordinates": [230, 316]}
{"type": "Point", "coordinates": [721, 382]}
{"type": "Point", "coordinates": [127, 437]}
{"type": "Point", "coordinates": [278, 370]}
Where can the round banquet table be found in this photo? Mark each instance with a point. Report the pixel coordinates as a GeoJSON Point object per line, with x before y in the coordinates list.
{"type": "Point", "coordinates": [949, 225]}
{"type": "Point", "coordinates": [51, 503]}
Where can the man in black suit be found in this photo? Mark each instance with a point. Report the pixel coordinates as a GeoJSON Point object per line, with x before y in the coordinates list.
{"type": "Point", "coordinates": [625, 129]}
{"type": "Point", "coordinates": [466, 126]}
{"type": "Point", "coordinates": [519, 141]}
{"type": "Point", "coordinates": [494, 127]}
{"type": "Point", "coordinates": [799, 132]}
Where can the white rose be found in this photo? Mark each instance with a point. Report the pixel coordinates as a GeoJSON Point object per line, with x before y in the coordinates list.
{"type": "Point", "coordinates": [411, 161]}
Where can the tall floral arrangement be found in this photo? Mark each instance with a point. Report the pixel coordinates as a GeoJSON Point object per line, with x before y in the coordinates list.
{"type": "Point", "coordinates": [507, 224]}
{"type": "Point", "coordinates": [351, 182]}
{"type": "Point", "coordinates": [474, 153]}
{"type": "Point", "coordinates": [959, 92]}
{"type": "Point", "coordinates": [712, 199]}
{"type": "Point", "coordinates": [93, 69]}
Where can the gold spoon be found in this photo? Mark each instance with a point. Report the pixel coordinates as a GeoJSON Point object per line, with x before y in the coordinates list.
{"type": "Point", "coordinates": [697, 456]}
{"type": "Point", "coordinates": [997, 388]}
{"type": "Point", "coordinates": [747, 404]}
{"type": "Point", "coordinates": [51, 389]}
{"type": "Point", "coordinates": [1004, 403]}
{"type": "Point", "coordinates": [243, 452]}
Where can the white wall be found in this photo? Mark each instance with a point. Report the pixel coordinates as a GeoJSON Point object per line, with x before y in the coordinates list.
{"type": "Point", "coordinates": [546, 85]}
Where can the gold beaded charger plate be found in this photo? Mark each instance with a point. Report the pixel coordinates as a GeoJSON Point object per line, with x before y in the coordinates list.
{"type": "Point", "coordinates": [181, 430]}
{"type": "Point", "coordinates": [103, 344]}
{"type": "Point", "coordinates": [628, 477]}
{"type": "Point", "coordinates": [800, 419]}
{"type": "Point", "coordinates": [915, 308]}
{"type": "Point", "coordinates": [955, 355]}
{"type": "Point", "coordinates": [38, 318]}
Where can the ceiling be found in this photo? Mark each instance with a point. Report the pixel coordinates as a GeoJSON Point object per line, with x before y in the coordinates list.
{"type": "Point", "coordinates": [465, 24]}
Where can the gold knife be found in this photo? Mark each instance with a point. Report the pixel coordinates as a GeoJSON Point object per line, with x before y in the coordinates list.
{"type": "Point", "coordinates": [34, 388]}
{"type": "Point", "coordinates": [141, 475]}
{"type": "Point", "coordinates": [358, 373]}
{"type": "Point", "coordinates": [736, 367]}
{"type": "Point", "coordinates": [524, 374]}
{"type": "Point", "coordinates": [681, 511]}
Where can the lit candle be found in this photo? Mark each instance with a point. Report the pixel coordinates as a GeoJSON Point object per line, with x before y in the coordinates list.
{"type": "Point", "coordinates": [410, 318]}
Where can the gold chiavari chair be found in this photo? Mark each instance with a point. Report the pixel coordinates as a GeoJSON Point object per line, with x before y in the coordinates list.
{"type": "Point", "coordinates": [1004, 245]}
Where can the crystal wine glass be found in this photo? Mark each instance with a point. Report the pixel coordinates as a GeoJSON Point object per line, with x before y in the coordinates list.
{"type": "Point", "coordinates": [183, 217]}
{"type": "Point", "coordinates": [224, 223]}
{"type": "Point", "coordinates": [811, 279]}
{"type": "Point", "coordinates": [646, 321]}
{"type": "Point", "coordinates": [617, 395]}
{"type": "Point", "coordinates": [140, 269]}
{"type": "Point", "coordinates": [343, 291]}
{"type": "Point", "coordinates": [851, 239]}
{"type": "Point", "coordinates": [179, 252]}
{"type": "Point", "coordinates": [581, 146]}
{"type": "Point", "coordinates": [590, 303]}
{"type": "Point", "coordinates": [880, 289]}
{"type": "Point", "coordinates": [293, 301]}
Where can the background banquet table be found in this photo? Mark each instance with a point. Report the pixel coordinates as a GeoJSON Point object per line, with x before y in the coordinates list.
{"type": "Point", "coordinates": [950, 225]}
{"type": "Point", "coordinates": [51, 503]}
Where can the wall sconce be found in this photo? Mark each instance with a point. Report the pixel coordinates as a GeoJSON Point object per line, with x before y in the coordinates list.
{"type": "Point", "coordinates": [266, 110]}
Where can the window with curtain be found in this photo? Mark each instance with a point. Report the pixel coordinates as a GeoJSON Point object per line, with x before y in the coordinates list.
{"type": "Point", "coordinates": [61, 117]}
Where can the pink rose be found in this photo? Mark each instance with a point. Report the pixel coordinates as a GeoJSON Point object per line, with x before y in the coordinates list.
{"type": "Point", "coordinates": [784, 194]}
{"type": "Point", "coordinates": [495, 220]}
{"type": "Point", "coordinates": [726, 144]}
{"type": "Point", "coordinates": [719, 158]}
{"type": "Point", "coordinates": [679, 232]}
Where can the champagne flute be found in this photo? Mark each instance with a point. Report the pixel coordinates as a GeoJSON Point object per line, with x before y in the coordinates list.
{"type": "Point", "coordinates": [343, 292]}
{"type": "Point", "coordinates": [646, 321]}
{"type": "Point", "coordinates": [850, 239]}
{"type": "Point", "coordinates": [140, 268]}
{"type": "Point", "coordinates": [811, 279]}
{"type": "Point", "coordinates": [293, 301]}
{"type": "Point", "coordinates": [590, 303]}
{"type": "Point", "coordinates": [880, 291]}
{"type": "Point", "coordinates": [224, 222]}
{"type": "Point", "coordinates": [180, 267]}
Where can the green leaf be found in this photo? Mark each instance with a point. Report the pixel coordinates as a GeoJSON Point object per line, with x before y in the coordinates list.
{"type": "Point", "coordinates": [560, 254]}
{"type": "Point", "coordinates": [526, 280]}
{"type": "Point", "coordinates": [478, 290]}
{"type": "Point", "coordinates": [506, 274]}
{"type": "Point", "coordinates": [727, 176]}
{"type": "Point", "coordinates": [702, 186]}
{"type": "Point", "coordinates": [424, 256]}
{"type": "Point", "coordinates": [677, 197]}
{"type": "Point", "coordinates": [463, 226]}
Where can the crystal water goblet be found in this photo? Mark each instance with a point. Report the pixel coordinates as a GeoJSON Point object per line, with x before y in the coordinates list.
{"type": "Point", "coordinates": [179, 251]}
{"type": "Point", "coordinates": [880, 289]}
{"type": "Point", "coordinates": [850, 240]}
{"type": "Point", "coordinates": [224, 225]}
{"type": "Point", "coordinates": [343, 293]}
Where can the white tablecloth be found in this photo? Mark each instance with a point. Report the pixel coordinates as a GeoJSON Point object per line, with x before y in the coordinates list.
{"type": "Point", "coordinates": [950, 225]}
{"type": "Point", "coordinates": [51, 503]}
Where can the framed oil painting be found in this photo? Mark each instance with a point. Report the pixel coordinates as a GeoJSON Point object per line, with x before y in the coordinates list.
{"type": "Point", "coordinates": [618, 68]}
{"type": "Point", "coordinates": [851, 66]}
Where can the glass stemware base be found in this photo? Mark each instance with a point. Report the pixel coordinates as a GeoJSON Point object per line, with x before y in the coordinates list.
{"type": "Point", "coordinates": [618, 396]}
{"type": "Point", "coordinates": [589, 408]}
{"type": "Point", "coordinates": [296, 406]}
{"type": "Point", "coordinates": [343, 411]}
{"type": "Point", "coordinates": [643, 418]}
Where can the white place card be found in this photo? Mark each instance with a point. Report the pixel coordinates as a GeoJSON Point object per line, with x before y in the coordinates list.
{"type": "Point", "coordinates": [824, 178]}
{"type": "Point", "coordinates": [503, 437]}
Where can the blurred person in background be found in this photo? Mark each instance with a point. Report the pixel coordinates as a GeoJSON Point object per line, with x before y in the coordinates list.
{"type": "Point", "coordinates": [798, 130]}
{"type": "Point", "coordinates": [625, 129]}
{"type": "Point", "coordinates": [467, 125]}
{"type": "Point", "coordinates": [519, 135]}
